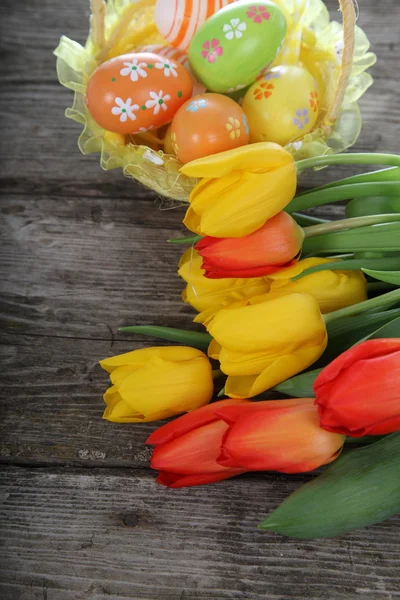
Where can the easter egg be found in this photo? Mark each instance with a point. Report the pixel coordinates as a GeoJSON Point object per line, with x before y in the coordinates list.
{"type": "Point", "coordinates": [137, 92]}
{"type": "Point", "coordinates": [168, 147]}
{"type": "Point", "coordinates": [208, 124]}
{"type": "Point", "coordinates": [282, 106]}
{"type": "Point", "coordinates": [231, 48]}
{"type": "Point", "coordinates": [179, 56]}
{"type": "Point", "coordinates": [178, 20]}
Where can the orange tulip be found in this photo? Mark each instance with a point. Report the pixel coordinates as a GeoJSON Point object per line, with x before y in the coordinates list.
{"type": "Point", "coordinates": [187, 449]}
{"type": "Point", "coordinates": [275, 246]}
{"type": "Point", "coordinates": [281, 435]}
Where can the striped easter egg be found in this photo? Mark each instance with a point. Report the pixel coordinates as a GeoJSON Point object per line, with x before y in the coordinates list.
{"type": "Point", "coordinates": [179, 20]}
{"type": "Point", "coordinates": [179, 56]}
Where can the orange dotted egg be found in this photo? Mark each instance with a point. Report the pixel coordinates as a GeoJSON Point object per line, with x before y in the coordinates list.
{"type": "Point", "coordinates": [208, 124]}
{"type": "Point", "coordinates": [179, 56]}
{"type": "Point", "coordinates": [137, 92]}
{"type": "Point", "coordinates": [179, 20]}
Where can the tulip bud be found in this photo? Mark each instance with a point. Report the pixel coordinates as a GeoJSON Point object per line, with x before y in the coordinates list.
{"type": "Point", "coordinates": [282, 435]}
{"type": "Point", "coordinates": [155, 383]}
{"type": "Point", "coordinates": [241, 189]}
{"type": "Point", "coordinates": [204, 294]}
{"type": "Point", "coordinates": [332, 290]}
{"type": "Point", "coordinates": [264, 344]}
{"type": "Point", "coordinates": [359, 392]}
{"type": "Point", "coordinates": [187, 448]}
{"type": "Point", "coordinates": [276, 245]}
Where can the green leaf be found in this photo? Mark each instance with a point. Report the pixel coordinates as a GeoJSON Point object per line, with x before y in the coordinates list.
{"type": "Point", "coordinates": [381, 238]}
{"type": "Point", "coordinates": [361, 488]}
{"type": "Point", "coordinates": [300, 386]}
{"type": "Point", "coordinates": [306, 220]}
{"type": "Point", "coordinates": [390, 174]}
{"type": "Point", "coordinates": [373, 205]}
{"type": "Point", "coordinates": [353, 264]}
{"type": "Point", "coordinates": [386, 276]}
{"type": "Point", "coordinates": [189, 338]}
{"type": "Point", "coordinates": [390, 330]}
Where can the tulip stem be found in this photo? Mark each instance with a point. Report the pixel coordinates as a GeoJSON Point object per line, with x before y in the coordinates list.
{"type": "Point", "coordinates": [362, 158]}
{"type": "Point", "coordinates": [186, 240]}
{"type": "Point", "coordinates": [383, 301]}
{"type": "Point", "coordinates": [181, 336]}
{"type": "Point", "coordinates": [352, 223]}
{"type": "Point", "coordinates": [343, 192]}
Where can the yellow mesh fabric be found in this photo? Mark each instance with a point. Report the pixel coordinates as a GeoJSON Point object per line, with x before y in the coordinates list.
{"type": "Point", "coordinates": [313, 40]}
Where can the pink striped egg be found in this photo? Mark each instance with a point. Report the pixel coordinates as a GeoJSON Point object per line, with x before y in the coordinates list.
{"type": "Point", "coordinates": [179, 56]}
{"type": "Point", "coordinates": [179, 20]}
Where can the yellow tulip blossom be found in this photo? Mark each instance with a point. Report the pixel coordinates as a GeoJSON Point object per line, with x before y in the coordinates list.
{"type": "Point", "coordinates": [332, 290]}
{"type": "Point", "coordinates": [240, 189]}
{"type": "Point", "coordinates": [205, 294]}
{"type": "Point", "coordinates": [155, 383]}
{"type": "Point", "coordinates": [263, 344]}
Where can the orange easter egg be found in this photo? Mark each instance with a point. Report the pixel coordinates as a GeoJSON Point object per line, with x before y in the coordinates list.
{"type": "Point", "coordinates": [137, 92]}
{"type": "Point", "coordinates": [179, 20]}
{"type": "Point", "coordinates": [179, 56]}
{"type": "Point", "coordinates": [208, 124]}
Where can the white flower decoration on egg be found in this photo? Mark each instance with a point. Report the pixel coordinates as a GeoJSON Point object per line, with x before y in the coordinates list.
{"type": "Point", "coordinates": [158, 101]}
{"type": "Point", "coordinates": [134, 70]}
{"type": "Point", "coordinates": [168, 66]}
{"type": "Point", "coordinates": [234, 29]}
{"type": "Point", "coordinates": [125, 109]}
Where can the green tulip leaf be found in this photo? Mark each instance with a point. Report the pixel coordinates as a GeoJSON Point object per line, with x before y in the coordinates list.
{"type": "Point", "coordinates": [384, 237]}
{"type": "Point", "coordinates": [386, 276]}
{"type": "Point", "coordinates": [300, 386]}
{"type": "Point", "coordinates": [374, 205]}
{"type": "Point", "coordinates": [390, 330]}
{"type": "Point", "coordinates": [355, 264]}
{"type": "Point", "coordinates": [359, 489]}
{"type": "Point", "coordinates": [181, 336]}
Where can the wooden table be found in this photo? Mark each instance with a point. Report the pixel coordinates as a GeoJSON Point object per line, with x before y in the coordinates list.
{"type": "Point", "coordinates": [82, 253]}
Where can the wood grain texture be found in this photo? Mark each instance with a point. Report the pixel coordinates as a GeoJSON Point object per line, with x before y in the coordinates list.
{"type": "Point", "coordinates": [100, 534]}
{"type": "Point", "coordinates": [83, 252]}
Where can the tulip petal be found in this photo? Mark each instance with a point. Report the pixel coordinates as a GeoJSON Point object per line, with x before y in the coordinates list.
{"type": "Point", "coordinates": [258, 157]}
{"type": "Point", "coordinates": [174, 481]}
{"type": "Point", "coordinates": [241, 203]}
{"type": "Point", "coordinates": [139, 358]}
{"type": "Point", "coordinates": [358, 393]}
{"type": "Point", "coordinates": [185, 423]}
{"type": "Point", "coordinates": [231, 414]}
{"type": "Point", "coordinates": [288, 440]}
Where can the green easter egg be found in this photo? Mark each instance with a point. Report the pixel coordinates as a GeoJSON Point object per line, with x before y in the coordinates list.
{"type": "Point", "coordinates": [236, 43]}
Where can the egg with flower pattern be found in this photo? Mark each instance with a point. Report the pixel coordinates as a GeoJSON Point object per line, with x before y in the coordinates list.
{"type": "Point", "coordinates": [282, 106]}
{"type": "Point", "coordinates": [231, 47]}
{"type": "Point", "coordinates": [137, 92]}
{"type": "Point", "coordinates": [208, 124]}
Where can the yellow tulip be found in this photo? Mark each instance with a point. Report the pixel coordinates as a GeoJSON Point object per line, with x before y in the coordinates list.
{"type": "Point", "coordinates": [155, 383]}
{"type": "Point", "coordinates": [331, 289]}
{"type": "Point", "coordinates": [205, 294]}
{"type": "Point", "coordinates": [241, 189]}
{"type": "Point", "coordinates": [263, 344]}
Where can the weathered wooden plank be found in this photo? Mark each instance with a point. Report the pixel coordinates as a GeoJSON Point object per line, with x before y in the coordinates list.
{"type": "Point", "coordinates": [79, 534]}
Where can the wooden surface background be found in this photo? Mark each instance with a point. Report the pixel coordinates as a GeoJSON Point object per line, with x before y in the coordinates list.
{"type": "Point", "coordinates": [82, 253]}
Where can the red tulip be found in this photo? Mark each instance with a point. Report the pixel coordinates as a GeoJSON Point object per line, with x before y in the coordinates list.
{"type": "Point", "coordinates": [275, 246]}
{"type": "Point", "coordinates": [359, 392]}
{"type": "Point", "coordinates": [282, 435]}
{"type": "Point", "coordinates": [187, 449]}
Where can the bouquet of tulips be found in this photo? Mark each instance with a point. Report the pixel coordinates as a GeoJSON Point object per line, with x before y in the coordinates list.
{"type": "Point", "coordinates": [302, 330]}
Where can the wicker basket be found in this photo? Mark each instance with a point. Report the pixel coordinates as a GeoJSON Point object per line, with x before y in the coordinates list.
{"type": "Point", "coordinates": [336, 55]}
